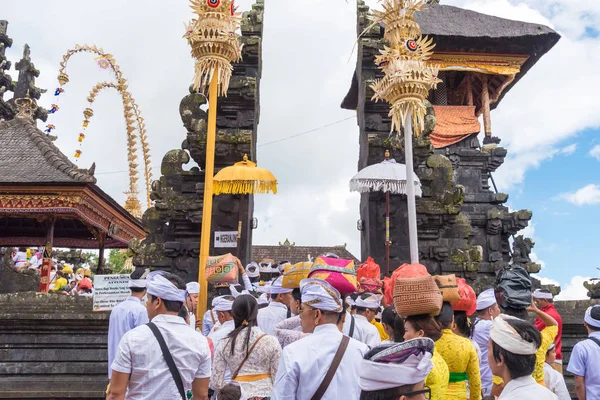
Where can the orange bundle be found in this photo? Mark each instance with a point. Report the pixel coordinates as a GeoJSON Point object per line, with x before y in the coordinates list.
{"type": "Point", "coordinates": [368, 269]}
{"type": "Point", "coordinates": [468, 299]}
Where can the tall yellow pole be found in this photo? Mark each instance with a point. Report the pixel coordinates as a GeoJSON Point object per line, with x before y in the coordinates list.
{"type": "Point", "coordinates": [209, 173]}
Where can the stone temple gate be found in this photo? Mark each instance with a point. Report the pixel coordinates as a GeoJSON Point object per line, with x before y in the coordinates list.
{"type": "Point", "coordinates": [464, 225]}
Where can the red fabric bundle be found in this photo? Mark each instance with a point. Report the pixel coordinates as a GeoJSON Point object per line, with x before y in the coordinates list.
{"type": "Point", "coordinates": [369, 285]}
{"type": "Point", "coordinates": [404, 271]}
{"type": "Point", "coordinates": [368, 269]}
{"type": "Point", "coordinates": [468, 299]}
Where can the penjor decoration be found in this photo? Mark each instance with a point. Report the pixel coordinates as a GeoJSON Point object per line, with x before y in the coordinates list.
{"type": "Point", "coordinates": [214, 41]}
{"type": "Point", "coordinates": [135, 125]}
{"type": "Point", "coordinates": [405, 85]}
{"type": "Point", "coordinates": [408, 79]}
{"type": "Point", "coordinates": [215, 44]}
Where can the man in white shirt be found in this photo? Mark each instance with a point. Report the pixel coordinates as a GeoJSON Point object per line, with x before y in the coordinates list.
{"type": "Point", "coordinates": [140, 371]}
{"type": "Point", "coordinates": [487, 310]}
{"type": "Point", "coordinates": [127, 315]}
{"type": "Point", "coordinates": [511, 355]}
{"type": "Point", "coordinates": [277, 310]}
{"type": "Point", "coordinates": [366, 307]}
{"type": "Point", "coordinates": [351, 327]}
{"type": "Point", "coordinates": [222, 306]}
{"type": "Point", "coordinates": [191, 301]}
{"type": "Point", "coordinates": [304, 363]}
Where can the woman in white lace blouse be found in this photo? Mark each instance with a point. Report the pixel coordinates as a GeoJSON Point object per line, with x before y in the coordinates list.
{"type": "Point", "coordinates": [251, 356]}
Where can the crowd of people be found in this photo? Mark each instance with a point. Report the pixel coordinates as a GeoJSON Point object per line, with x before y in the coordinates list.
{"type": "Point", "coordinates": [63, 280]}
{"type": "Point", "coordinates": [263, 339]}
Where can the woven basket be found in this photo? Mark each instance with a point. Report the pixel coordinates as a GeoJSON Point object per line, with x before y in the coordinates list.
{"type": "Point", "coordinates": [448, 286]}
{"type": "Point", "coordinates": [416, 296]}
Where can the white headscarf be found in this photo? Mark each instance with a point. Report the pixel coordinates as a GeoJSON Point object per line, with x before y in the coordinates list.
{"type": "Point", "coordinates": [538, 294]}
{"type": "Point", "coordinates": [320, 295]}
{"type": "Point", "coordinates": [276, 287]}
{"type": "Point", "coordinates": [159, 286]}
{"type": "Point", "coordinates": [221, 303]}
{"type": "Point", "coordinates": [588, 317]}
{"type": "Point", "coordinates": [264, 267]}
{"type": "Point", "coordinates": [396, 364]}
{"type": "Point", "coordinates": [252, 270]}
{"type": "Point", "coordinates": [192, 287]}
{"type": "Point", "coordinates": [505, 336]}
{"type": "Point", "coordinates": [137, 283]}
{"type": "Point", "coordinates": [373, 301]}
{"type": "Point", "coordinates": [486, 299]}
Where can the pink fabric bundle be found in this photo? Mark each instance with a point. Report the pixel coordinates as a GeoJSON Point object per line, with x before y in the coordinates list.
{"type": "Point", "coordinates": [338, 272]}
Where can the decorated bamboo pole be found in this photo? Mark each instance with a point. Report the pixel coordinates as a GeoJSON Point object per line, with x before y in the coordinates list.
{"type": "Point", "coordinates": [208, 195]}
{"type": "Point", "coordinates": [406, 83]}
{"type": "Point", "coordinates": [213, 38]}
{"type": "Point", "coordinates": [410, 191]}
{"type": "Point", "coordinates": [387, 233]}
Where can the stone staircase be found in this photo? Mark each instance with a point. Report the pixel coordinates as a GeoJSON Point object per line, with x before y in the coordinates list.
{"type": "Point", "coordinates": [52, 347]}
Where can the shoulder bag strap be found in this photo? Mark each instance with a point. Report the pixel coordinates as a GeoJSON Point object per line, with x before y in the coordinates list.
{"type": "Point", "coordinates": [168, 358]}
{"type": "Point", "coordinates": [337, 358]}
{"type": "Point", "coordinates": [247, 355]}
{"type": "Point", "coordinates": [352, 322]}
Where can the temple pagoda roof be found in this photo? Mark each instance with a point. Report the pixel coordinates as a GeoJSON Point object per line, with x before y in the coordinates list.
{"type": "Point", "coordinates": [27, 155]}
{"type": "Point", "coordinates": [39, 183]}
{"type": "Point", "coordinates": [460, 31]}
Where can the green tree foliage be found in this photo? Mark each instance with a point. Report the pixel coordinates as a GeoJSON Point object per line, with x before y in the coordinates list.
{"type": "Point", "coordinates": [116, 259]}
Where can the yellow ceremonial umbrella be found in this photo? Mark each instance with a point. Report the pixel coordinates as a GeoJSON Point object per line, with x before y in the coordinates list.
{"type": "Point", "coordinates": [244, 178]}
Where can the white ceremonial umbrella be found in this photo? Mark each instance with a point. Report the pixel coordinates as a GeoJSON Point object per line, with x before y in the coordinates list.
{"type": "Point", "coordinates": [387, 176]}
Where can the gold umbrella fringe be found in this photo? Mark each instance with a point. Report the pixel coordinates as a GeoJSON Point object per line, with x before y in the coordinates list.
{"type": "Point", "coordinates": [214, 42]}
{"type": "Point", "coordinates": [244, 187]}
{"type": "Point", "coordinates": [133, 118]}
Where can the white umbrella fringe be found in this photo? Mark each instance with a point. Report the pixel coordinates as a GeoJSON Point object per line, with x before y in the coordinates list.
{"type": "Point", "coordinates": [382, 185]}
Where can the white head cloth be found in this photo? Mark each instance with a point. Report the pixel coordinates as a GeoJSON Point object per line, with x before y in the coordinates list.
{"type": "Point", "coordinates": [221, 303]}
{"type": "Point", "coordinates": [266, 288]}
{"type": "Point", "coordinates": [262, 299]}
{"type": "Point", "coordinates": [192, 287]}
{"type": "Point", "coordinates": [282, 266]}
{"type": "Point", "coordinates": [372, 301]}
{"type": "Point", "coordinates": [277, 289]}
{"type": "Point", "coordinates": [350, 302]}
{"type": "Point", "coordinates": [409, 369]}
{"type": "Point", "coordinates": [320, 295]}
{"type": "Point", "coordinates": [275, 269]}
{"type": "Point", "coordinates": [252, 270]}
{"type": "Point", "coordinates": [159, 286]}
{"type": "Point", "coordinates": [234, 291]}
{"type": "Point", "coordinates": [588, 317]}
{"type": "Point", "coordinates": [538, 294]}
{"type": "Point", "coordinates": [505, 336]}
{"type": "Point", "coordinates": [486, 299]}
{"type": "Point", "coordinates": [137, 283]}
{"type": "Point", "coordinates": [264, 267]}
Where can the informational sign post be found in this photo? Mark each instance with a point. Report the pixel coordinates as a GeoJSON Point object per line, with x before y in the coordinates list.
{"type": "Point", "coordinates": [110, 290]}
{"type": "Point", "coordinates": [225, 239]}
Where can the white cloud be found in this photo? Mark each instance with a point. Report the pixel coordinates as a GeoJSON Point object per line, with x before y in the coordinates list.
{"type": "Point", "coordinates": [569, 150]}
{"type": "Point", "coordinates": [574, 290]}
{"type": "Point", "coordinates": [595, 152]}
{"type": "Point", "coordinates": [587, 195]}
{"type": "Point", "coordinates": [546, 281]}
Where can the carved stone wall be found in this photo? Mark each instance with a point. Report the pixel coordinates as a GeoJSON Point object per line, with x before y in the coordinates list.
{"type": "Point", "coordinates": [174, 223]}
{"type": "Point", "coordinates": [463, 225]}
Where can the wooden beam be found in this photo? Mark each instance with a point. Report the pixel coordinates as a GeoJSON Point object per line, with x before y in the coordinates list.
{"type": "Point", "coordinates": [47, 260]}
{"type": "Point", "coordinates": [485, 105]}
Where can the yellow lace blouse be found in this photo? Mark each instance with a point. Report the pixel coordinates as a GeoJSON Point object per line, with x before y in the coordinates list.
{"type": "Point", "coordinates": [437, 380]}
{"type": "Point", "coordinates": [463, 364]}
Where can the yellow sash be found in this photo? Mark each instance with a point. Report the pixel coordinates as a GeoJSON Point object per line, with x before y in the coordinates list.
{"type": "Point", "coordinates": [251, 378]}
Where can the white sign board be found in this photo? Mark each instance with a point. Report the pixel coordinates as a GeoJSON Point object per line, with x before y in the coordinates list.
{"type": "Point", "coordinates": [110, 290]}
{"type": "Point", "coordinates": [225, 239]}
